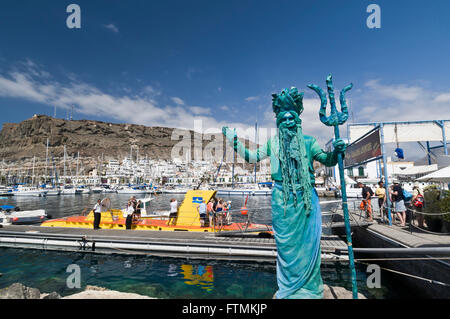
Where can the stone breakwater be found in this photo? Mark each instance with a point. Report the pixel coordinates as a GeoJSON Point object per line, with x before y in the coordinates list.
{"type": "Point", "coordinates": [19, 291]}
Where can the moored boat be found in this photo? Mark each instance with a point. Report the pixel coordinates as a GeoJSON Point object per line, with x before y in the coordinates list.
{"type": "Point", "coordinates": [29, 191]}
{"type": "Point", "coordinates": [6, 191]}
{"type": "Point", "coordinates": [82, 190]}
{"type": "Point", "coordinates": [13, 215]}
{"type": "Point", "coordinates": [135, 190]}
{"type": "Point", "coordinates": [188, 218]}
{"type": "Point", "coordinates": [67, 190]}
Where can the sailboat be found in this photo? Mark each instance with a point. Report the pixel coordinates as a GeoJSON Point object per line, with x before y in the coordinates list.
{"type": "Point", "coordinates": [67, 190]}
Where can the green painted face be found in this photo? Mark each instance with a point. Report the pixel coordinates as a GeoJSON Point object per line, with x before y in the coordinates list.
{"type": "Point", "coordinates": [288, 120]}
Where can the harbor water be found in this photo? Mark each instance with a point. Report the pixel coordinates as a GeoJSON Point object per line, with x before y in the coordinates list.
{"type": "Point", "coordinates": [156, 276]}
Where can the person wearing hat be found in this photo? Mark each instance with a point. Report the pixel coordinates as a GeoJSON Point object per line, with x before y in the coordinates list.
{"type": "Point", "coordinates": [398, 200]}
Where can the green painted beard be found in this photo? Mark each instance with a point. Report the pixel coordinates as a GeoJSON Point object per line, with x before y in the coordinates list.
{"type": "Point", "coordinates": [293, 160]}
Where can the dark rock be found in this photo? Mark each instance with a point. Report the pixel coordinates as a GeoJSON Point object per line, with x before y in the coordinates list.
{"type": "Point", "coordinates": [52, 295]}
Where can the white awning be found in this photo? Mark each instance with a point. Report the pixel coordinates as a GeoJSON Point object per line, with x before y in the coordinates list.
{"type": "Point", "coordinates": [442, 176]}
{"type": "Point", "coordinates": [416, 170]}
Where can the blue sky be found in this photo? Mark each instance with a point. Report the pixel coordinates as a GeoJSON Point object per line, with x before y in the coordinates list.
{"type": "Point", "coordinates": [170, 62]}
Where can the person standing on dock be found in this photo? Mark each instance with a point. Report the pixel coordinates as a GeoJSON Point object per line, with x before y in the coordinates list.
{"type": "Point", "coordinates": [418, 202]}
{"type": "Point", "coordinates": [296, 215]}
{"type": "Point", "coordinates": [380, 192]}
{"type": "Point", "coordinates": [367, 194]}
{"type": "Point", "coordinates": [173, 211]}
{"type": "Point", "coordinates": [129, 212]}
{"type": "Point", "coordinates": [202, 212]}
{"type": "Point", "coordinates": [397, 199]}
{"type": "Point", "coordinates": [97, 214]}
{"type": "Point", "coordinates": [210, 212]}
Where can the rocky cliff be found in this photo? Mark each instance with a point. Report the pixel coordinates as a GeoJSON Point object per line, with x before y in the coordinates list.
{"type": "Point", "coordinates": [19, 141]}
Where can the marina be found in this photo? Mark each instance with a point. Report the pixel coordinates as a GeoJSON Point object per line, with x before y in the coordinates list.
{"type": "Point", "coordinates": [202, 150]}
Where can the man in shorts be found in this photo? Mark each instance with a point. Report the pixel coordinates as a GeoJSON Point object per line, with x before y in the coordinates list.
{"type": "Point", "coordinates": [202, 212]}
{"type": "Point", "coordinates": [398, 201]}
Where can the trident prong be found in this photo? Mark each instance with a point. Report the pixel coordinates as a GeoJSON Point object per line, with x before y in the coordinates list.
{"type": "Point", "coordinates": [335, 118]}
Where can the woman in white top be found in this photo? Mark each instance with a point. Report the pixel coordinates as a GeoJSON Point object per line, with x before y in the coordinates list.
{"type": "Point", "coordinates": [130, 212]}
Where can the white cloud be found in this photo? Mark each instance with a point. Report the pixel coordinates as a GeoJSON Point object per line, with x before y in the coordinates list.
{"type": "Point", "coordinates": [399, 102]}
{"type": "Point", "coordinates": [252, 98]}
{"type": "Point", "coordinates": [198, 110]}
{"type": "Point", "coordinates": [138, 108]}
{"type": "Point", "coordinates": [111, 27]}
{"type": "Point", "coordinates": [376, 101]}
{"type": "Point", "coordinates": [443, 98]}
{"type": "Point", "coordinates": [177, 100]}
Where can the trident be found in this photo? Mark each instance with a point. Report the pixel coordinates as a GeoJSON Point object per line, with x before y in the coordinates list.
{"type": "Point", "coordinates": [335, 119]}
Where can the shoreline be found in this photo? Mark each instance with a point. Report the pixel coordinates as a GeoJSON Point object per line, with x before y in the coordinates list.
{"type": "Point", "coordinates": [19, 291]}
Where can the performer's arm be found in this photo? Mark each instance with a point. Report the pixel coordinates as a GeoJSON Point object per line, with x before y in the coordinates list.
{"type": "Point", "coordinates": [328, 158]}
{"type": "Point", "coordinates": [250, 156]}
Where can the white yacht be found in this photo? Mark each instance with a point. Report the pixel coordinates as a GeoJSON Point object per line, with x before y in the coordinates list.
{"type": "Point", "coordinates": [252, 190]}
{"type": "Point", "coordinates": [5, 191]}
{"type": "Point", "coordinates": [176, 190]}
{"type": "Point", "coordinates": [53, 191]}
{"type": "Point", "coordinates": [135, 190]}
{"type": "Point", "coordinates": [97, 189]}
{"type": "Point", "coordinates": [29, 191]}
{"type": "Point", "coordinates": [108, 190]}
{"type": "Point", "coordinates": [68, 190]}
{"type": "Point", "coordinates": [82, 190]}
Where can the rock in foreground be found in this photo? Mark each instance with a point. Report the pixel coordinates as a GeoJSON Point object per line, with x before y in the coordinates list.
{"type": "Point", "coordinates": [19, 291]}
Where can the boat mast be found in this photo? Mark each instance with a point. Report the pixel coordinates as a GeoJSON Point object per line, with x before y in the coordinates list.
{"type": "Point", "coordinates": [256, 142]}
{"type": "Point", "coordinates": [78, 158]}
{"type": "Point", "coordinates": [232, 169]}
{"type": "Point", "coordinates": [46, 163]}
{"type": "Point", "coordinates": [32, 177]}
{"type": "Point", "coordinates": [64, 165]}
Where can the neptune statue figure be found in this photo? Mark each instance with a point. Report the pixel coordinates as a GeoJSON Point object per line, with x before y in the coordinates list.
{"type": "Point", "coordinates": [296, 215]}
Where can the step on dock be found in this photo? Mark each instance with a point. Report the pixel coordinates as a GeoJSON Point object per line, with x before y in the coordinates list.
{"type": "Point", "coordinates": [199, 245]}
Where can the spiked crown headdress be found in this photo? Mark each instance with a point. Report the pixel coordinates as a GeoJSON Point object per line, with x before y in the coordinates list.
{"type": "Point", "coordinates": [288, 100]}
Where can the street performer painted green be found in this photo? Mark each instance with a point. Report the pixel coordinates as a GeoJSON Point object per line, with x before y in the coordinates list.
{"type": "Point", "coordinates": [296, 216]}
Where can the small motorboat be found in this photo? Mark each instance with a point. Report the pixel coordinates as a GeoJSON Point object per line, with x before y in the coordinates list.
{"type": "Point", "coordinates": [13, 215]}
{"type": "Point", "coordinates": [82, 190]}
{"type": "Point", "coordinates": [97, 189]}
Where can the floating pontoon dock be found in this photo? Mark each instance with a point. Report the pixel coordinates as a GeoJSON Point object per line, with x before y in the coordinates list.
{"type": "Point", "coordinates": [422, 259]}
{"type": "Point", "coordinates": [243, 246]}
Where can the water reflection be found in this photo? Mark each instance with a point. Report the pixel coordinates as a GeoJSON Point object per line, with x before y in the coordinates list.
{"type": "Point", "coordinates": [198, 275]}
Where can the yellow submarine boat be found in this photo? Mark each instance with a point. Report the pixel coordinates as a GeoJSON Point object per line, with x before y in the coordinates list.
{"type": "Point", "coordinates": [188, 219]}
